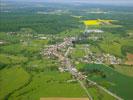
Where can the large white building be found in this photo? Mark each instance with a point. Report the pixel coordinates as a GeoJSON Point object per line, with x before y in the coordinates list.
{"type": "Point", "coordinates": [94, 31]}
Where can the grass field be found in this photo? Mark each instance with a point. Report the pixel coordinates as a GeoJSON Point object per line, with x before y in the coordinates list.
{"type": "Point", "coordinates": [94, 49]}
{"type": "Point", "coordinates": [112, 43]}
{"type": "Point", "coordinates": [7, 59]}
{"type": "Point", "coordinates": [49, 84]}
{"type": "Point", "coordinates": [99, 94]}
{"type": "Point", "coordinates": [126, 70]}
{"type": "Point", "coordinates": [78, 52]}
{"type": "Point", "coordinates": [64, 98]}
{"type": "Point", "coordinates": [12, 78]}
{"type": "Point", "coordinates": [114, 81]}
{"type": "Point", "coordinates": [110, 47]}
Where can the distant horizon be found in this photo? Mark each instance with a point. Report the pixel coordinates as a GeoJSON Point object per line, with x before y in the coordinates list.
{"type": "Point", "coordinates": [105, 2]}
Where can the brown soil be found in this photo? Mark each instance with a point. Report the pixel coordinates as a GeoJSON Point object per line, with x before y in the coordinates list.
{"type": "Point", "coordinates": [64, 99]}
{"type": "Point", "coordinates": [130, 59]}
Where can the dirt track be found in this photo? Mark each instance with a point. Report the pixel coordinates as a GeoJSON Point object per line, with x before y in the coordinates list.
{"type": "Point", "coordinates": [64, 99]}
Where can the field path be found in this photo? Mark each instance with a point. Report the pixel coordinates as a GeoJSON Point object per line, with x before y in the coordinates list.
{"type": "Point", "coordinates": [63, 98]}
{"type": "Point", "coordinates": [83, 86]}
{"type": "Point", "coordinates": [104, 89]}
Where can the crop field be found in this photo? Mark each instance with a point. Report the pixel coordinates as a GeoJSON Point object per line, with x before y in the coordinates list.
{"type": "Point", "coordinates": [124, 69]}
{"type": "Point", "coordinates": [113, 80]}
{"type": "Point", "coordinates": [91, 22]}
{"type": "Point", "coordinates": [97, 22]}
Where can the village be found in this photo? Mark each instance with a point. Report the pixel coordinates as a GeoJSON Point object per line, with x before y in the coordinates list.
{"type": "Point", "coordinates": [67, 65]}
{"type": "Point", "coordinates": [90, 57]}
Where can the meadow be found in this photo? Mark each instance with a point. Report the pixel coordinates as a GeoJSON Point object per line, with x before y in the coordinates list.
{"type": "Point", "coordinates": [114, 81]}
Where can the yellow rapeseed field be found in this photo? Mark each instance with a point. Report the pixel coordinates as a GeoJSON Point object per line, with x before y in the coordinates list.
{"type": "Point", "coordinates": [91, 22]}
{"type": "Point", "coordinates": [96, 22]}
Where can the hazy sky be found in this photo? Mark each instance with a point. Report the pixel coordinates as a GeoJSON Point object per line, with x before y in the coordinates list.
{"type": "Point", "coordinates": [97, 1]}
{"type": "Point", "coordinates": [87, 1]}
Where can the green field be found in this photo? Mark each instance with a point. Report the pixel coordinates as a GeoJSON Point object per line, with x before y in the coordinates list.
{"type": "Point", "coordinates": [11, 79]}
{"type": "Point", "coordinates": [114, 81]}
{"type": "Point", "coordinates": [49, 84]}
{"type": "Point", "coordinates": [78, 52]}
{"type": "Point", "coordinates": [44, 84]}
{"type": "Point", "coordinates": [112, 43]}
{"type": "Point", "coordinates": [126, 70]}
{"type": "Point", "coordinates": [98, 94]}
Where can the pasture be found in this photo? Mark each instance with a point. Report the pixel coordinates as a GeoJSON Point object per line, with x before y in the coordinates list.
{"type": "Point", "coordinates": [113, 80]}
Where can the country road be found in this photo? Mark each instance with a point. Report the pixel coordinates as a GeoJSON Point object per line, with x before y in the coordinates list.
{"type": "Point", "coordinates": [83, 86]}
{"type": "Point", "coordinates": [104, 89]}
